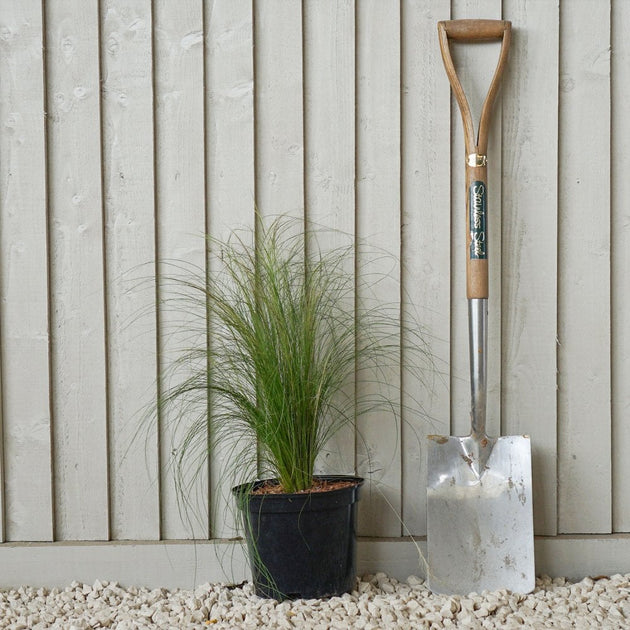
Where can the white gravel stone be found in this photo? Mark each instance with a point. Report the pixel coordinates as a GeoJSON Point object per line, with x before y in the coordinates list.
{"type": "Point", "coordinates": [377, 602]}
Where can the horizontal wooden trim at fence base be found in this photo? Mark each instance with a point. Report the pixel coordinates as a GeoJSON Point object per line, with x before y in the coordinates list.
{"type": "Point", "coordinates": [186, 564]}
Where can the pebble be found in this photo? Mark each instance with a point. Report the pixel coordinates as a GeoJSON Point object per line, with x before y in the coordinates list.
{"type": "Point", "coordinates": [377, 602]}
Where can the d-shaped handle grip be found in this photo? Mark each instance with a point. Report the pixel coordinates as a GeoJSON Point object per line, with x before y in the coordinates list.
{"type": "Point", "coordinates": [476, 144]}
{"type": "Point", "coordinates": [474, 30]}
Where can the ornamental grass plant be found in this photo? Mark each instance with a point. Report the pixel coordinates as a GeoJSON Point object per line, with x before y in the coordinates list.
{"type": "Point", "coordinates": [275, 367]}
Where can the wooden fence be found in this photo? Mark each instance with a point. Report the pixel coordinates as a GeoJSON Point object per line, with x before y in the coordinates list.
{"type": "Point", "coordinates": [129, 128]}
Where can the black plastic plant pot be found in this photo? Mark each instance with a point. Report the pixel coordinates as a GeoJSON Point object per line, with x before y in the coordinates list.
{"type": "Point", "coordinates": [303, 545]}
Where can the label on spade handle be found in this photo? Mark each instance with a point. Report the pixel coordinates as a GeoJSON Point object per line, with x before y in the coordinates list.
{"type": "Point", "coordinates": [478, 236]}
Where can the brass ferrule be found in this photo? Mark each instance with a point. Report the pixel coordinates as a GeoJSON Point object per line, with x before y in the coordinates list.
{"type": "Point", "coordinates": [475, 160]}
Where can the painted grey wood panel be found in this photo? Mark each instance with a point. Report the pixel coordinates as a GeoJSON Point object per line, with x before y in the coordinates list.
{"type": "Point", "coordinates": [189, 564]}
{"type": "Point", "coordinates": [279, 123]}
{"type": "Point", "coordinates": [24, 331]}
{"type": "Point", "coordinates": [584, 379]}
{"type": "Point", "coordinates": [530, 235]}
{"type": "Point", "coordinates": [230, 176]}
{"type": "Point", "coordinates": [425, 247]}
{"type": "Point", "coordinates": [2, 483]}
{"type": "Point", "coordinates": [75, 205]}
{"type": "Point", "coordinates": [329, 157]}
{"type": "Point", "coordinates": [620, 265]}
{"type": "Point", "coordinates": [378, 230]}
{"type": "Point", "coordinates": [278, 116]}
{"type": "Point", "coordinates": [181, 224]}
{"type": "Point", "coordinates": [128, 188]}
{"type": "Point", "coordinates": [337, 111]}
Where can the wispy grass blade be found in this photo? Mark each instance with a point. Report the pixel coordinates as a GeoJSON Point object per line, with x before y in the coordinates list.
{"type": "Point", "coordinates": [283, 348]}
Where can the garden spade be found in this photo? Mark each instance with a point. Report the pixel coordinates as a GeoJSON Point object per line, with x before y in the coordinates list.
{"type": "Point", "coordinates": [479, 488]}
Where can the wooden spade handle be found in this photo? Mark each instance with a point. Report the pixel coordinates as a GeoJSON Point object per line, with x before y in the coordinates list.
{"type": "Point", "coordinates": [476, 144]}
{"type": "Point", "coordinates": [474, 30]}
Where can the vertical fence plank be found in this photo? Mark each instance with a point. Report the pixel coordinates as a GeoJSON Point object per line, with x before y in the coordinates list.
{"type": "Point", "coordinates": [378, 227]}
{"type": "Point", "coordinates": [2, 493]}
{"type": "Point", "coordinates": [130, 245]}
{"type": "Point", "coordinates": [426, 242]}
{"type": "Point", "coordinates": [530, 244]}
{"type": "Point", "coordinates": [76, 259]}
{"type": "Point", "coordinates": [179, 85]}
{"type": "Point", "coordinates": [584, 431]}
{"type": "Point", "coordinates": [279, 108]}
{"type": "Point", "coordinates": [620, 84]}
{"type": "Point", "coordinates": [230, 171]}
{"type": "Point", "coordinates": [475, 64]}
{"type": "Point", "coordinates": [24, 303]}
{"type": "Point", "coordinates": [330, 154]}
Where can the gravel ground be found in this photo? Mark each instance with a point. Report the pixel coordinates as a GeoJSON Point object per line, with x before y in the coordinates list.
{"type": "Point", "coordinates": [378, 602]}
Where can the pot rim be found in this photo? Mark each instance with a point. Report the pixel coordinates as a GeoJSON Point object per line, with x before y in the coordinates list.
{"type": "Point", "coordinates": [245, 488]}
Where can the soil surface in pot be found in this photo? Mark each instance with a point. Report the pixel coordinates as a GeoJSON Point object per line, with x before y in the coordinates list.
{"type": "Point", "coordinates": [319, 485]}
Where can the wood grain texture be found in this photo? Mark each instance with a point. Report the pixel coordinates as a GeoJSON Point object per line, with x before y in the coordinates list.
{"type": "Point", "coordinates": [475, 64]}
{"type": "Point", "coordinates": [208, 107]}
{"type": "Point", "coordinates": [474, 29]}
{"type": "Point", "coordinates": [530, 232]}
{"type": "Point", "coordinates": [181, 224]}
{"type": "Point", "coordinates": [230, 175]}
{"type": "Point", "coordinates": [76, 263]}
{"type": "Point", "coordinates": [425, 245]}
{"type": "Point", "coordinates": [23, 280]}
{"type": "Point", "coordinates": [620, 264]}
{"type": "Point", "coordinates": [584, 429]}
{"type": "Point", "coordinates": [378, 230]}
{"type": "Point", "coordinates": [128, 186]}
{"type": "Point", "coordinates": [329, 160]}
{"type": "Point", "coordinates": [279, 120]}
